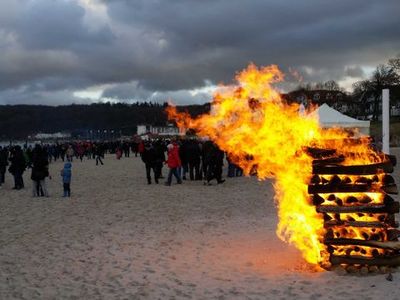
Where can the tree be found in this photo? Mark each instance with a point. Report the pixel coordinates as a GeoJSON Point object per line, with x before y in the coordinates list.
{"type": "Point", "coordinates": [331, 85]}
{"type": "Point", "coordinates": [395, 63]}
{"type": "Point", "coordinates": [384, 76]}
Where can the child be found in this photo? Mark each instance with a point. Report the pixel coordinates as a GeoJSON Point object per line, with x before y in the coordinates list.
{"type": "Point", "coordinates": [66, 177]}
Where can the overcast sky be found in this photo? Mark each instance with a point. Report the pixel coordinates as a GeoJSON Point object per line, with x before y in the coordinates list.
{"type": "Point", "coordinates": [81, 51]}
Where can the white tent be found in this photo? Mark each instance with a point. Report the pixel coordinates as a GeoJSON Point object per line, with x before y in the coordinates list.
{"type": "Point", "coordinates": [329, 117]}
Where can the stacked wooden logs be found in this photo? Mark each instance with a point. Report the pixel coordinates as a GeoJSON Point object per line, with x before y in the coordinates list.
{"type": "Point", "coordinates": [357, 209]}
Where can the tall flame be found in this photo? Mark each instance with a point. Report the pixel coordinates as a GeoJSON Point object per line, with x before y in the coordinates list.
{"type": "Point", "coordinates": [250, 121]}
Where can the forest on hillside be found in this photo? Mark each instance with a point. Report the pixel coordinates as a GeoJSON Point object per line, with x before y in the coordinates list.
{"type": "Point", "coordinates": [20, 121]}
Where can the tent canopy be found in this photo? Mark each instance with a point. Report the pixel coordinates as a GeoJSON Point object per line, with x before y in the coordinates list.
{"type": "Point", "coordinates": [329, 117]}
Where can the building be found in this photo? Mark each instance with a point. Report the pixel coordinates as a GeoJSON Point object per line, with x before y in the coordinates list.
{"type": "Point", "coordinates": [168, 130]}
{"type": "Point", "coordinates": [51, 136]}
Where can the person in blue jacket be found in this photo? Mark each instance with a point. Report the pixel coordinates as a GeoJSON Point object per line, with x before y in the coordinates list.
{"type": "Point", "coordinates": [66, 175]}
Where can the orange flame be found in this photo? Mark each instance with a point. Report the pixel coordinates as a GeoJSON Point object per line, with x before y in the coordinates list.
{"type": "Point", "coordinates": [250, 121]}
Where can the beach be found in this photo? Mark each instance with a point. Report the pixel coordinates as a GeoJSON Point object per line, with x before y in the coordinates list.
{"type": "Point", "coordinates": [119, 238]}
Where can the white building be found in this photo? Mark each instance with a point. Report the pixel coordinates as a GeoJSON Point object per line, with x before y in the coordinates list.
{"type": "Point", "coordinates": [48, 136]}
{"type": "Point", "coordinates": [159, 130]}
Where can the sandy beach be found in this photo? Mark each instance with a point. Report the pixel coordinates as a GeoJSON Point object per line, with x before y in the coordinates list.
{"type": "Point", "coordinates": [119, 238]}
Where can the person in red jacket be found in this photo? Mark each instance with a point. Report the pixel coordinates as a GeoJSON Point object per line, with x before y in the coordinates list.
{"type": "Point", "coordinates": [173, 162]}
{"type": "Point", "coordinates": [141, 148]}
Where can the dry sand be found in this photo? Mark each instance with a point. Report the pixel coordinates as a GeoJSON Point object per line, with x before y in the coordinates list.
{"type": "Point", "coordinates": [119, 238]}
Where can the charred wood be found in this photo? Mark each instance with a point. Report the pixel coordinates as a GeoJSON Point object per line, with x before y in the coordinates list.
{"type": "Point", "coordinates": [320, 153]}
{"type": "Point", "coordinates": [390, 245]}
{"type": "Point", "coordinates": [386, 167]}
{"type": "Point", "coordinates": [352, 188]}
{"type": "Point", "coordinates": [330, 160]}
{"type": "Point", "coordinates": [355, 260]}
{"type": "Point", "coordinates": [331, 223]}
{"type": "Point", "coordinates": [386, 208]}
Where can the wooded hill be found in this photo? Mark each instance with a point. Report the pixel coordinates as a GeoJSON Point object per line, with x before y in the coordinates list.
{"type": "Point", "coordinates": [19, 121]}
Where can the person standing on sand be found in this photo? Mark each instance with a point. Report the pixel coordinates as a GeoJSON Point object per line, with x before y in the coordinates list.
{"type": "Point", "coordinates": [141, 147]}
{"type": "Point", "coordinates": [17, 167]}
{"type": "Point", "coordinates": [159, 150]}
{"type": "Point", "coordinates": [98, 152]}
{"type": "Point", "coordinates": [66, 175]}
{"type": "Point", "coordinates": [216, 162]}
{"type": "Point", "coordinates": [149, 159]}
{"type": "Point", "coordinates": [40, 170]}
{"type": "Point", "coordinates": [3, 164]}
{"type": "Point", "coordinates": [118, 153]}
{"type": "Point", "coordinates": [183, 155]}
{"type": "Point", "coordinates": [193, 158]}
{"type": "Point", "coordinates": [173, 162]}
{"type": "Point", "coordinates": [70, 153]}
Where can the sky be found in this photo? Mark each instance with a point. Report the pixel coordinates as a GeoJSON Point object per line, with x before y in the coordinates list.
{"type": "Point", "coordinates": [57, 52]}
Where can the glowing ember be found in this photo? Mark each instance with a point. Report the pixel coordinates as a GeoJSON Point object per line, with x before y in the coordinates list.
{"type": "Point", "coordinates": [251, 122]}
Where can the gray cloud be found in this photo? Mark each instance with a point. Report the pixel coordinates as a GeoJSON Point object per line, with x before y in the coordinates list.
{"type": "Point", "coordinates": [153, 49]}
{"type": "Point", "coordinates": [354, 71]}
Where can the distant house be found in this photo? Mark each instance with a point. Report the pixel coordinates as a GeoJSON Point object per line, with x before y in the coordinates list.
{"type": "Point", "coordinates": [51, 136]}
{"type": "Point", "coordinates": [368, 101]}
{"type": "Point", "coordinates": [168, 130]}
{"type": "Point", "coordinates": [335, 99]}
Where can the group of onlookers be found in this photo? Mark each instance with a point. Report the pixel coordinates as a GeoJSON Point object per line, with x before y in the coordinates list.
{"type": "Point", "coordinates": [186, 159]}
{"type": "Point", "coordinates": [18, 160]}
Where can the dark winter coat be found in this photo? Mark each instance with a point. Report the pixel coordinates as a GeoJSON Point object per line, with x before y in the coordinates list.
{"type": "Point", "coordinates": [17, 162]}
{"type": "Point", "coordinates": [3, 158]}
{"type": "Point", "coordinates": [149, 155]}
{"type": "Point", "coordinates": [40, 165]}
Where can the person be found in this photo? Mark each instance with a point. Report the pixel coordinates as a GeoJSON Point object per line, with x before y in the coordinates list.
{"type": "Point", "coordinates": [183, 155]}
{"type": "Point", "coordinates": [141, 147]}
{"type": "Point", "coordinates": [216, 162]}
{"type": "Point", "coordinates": [193, 159]}
{"type": "Point", "coordinates": [17, 167]}
{"type": "Point", "coordinates": [149, 158]}
{"type": "Point", "coordinates": [66, 175]}
{"type": "Point", "coordinates": [207, 150]}
{"type": "Point", "coordinates": [98, 152]}
{"type": "Point", "coordinates": [80, 151]}
{"type": "Point", "coordinates": [159, 149]}
{"type": "Point", "coordinates": [126, 148]}
{"type": "Point", "coordinates": [70, 153]}
{"type": "Point", "coordinates": [173, 162]}
{"type": "Point", "coordinates": [40, 170]}
{"type": "Point", "coordinates": [3, 164]}
{"type": "Point", "coordinates": [135, 147]}
{"type": "Point", "coordinates": [118, 153]}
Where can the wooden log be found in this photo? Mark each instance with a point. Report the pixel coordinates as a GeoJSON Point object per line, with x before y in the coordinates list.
{"type": "Point", "coordinates": [389, 245]}
{"type": "Point", "coordinates": [370, 169]}
{"type": "Point", "coordinates": [319, 153]}
{"type": "Point", "coordinates": [360, 260]}
{"type": "Point", "coordinates": [352, 188]}
{"type": "Point", "coordinates": [364, 200]}
{"type": "Point", "coordinates": [390, 208]}
{"type": "Point", "coordinates": [384, 224]}
{"type": "Point", "coordinates": [330, 160]}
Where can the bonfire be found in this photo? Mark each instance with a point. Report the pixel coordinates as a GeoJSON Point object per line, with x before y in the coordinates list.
{"type": "Point", "coordinates": [331, 190]}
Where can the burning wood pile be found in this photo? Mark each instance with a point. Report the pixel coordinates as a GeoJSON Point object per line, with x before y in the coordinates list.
{"type": "Point", "coordinates": [334, 206]}
{"type": "Point", "coordinates": [358, 213]}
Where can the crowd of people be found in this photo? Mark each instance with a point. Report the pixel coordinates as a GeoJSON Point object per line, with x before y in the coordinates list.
{"type": "Point", "coordinates": [186, 159]}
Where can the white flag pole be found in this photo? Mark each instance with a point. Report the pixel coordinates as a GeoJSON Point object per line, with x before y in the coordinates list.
{"type": "Point", "coordinates": [385, 121]}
